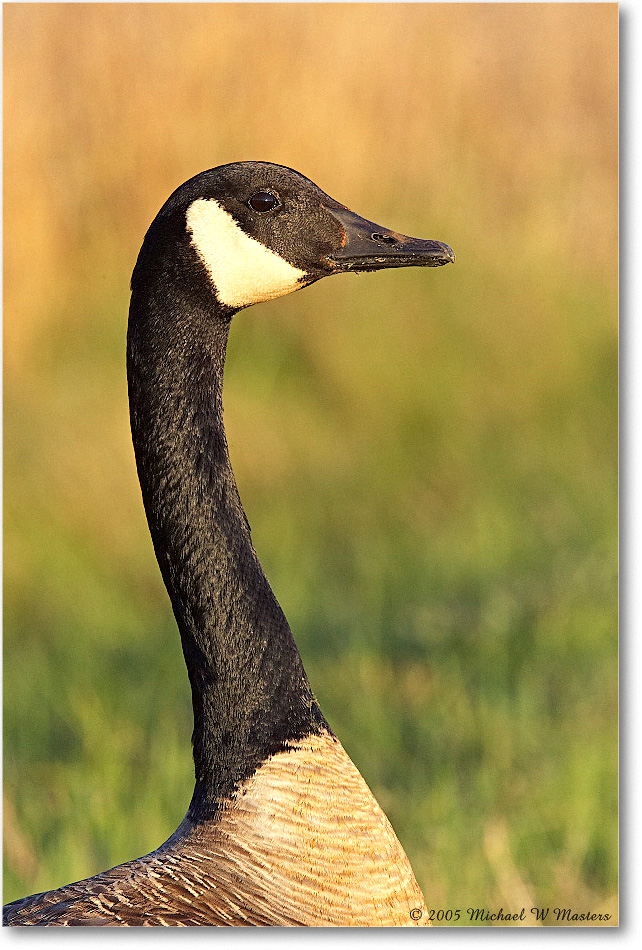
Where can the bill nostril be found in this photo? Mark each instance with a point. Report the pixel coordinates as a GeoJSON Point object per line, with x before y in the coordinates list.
{"type": "Point", "coordinates": [383, 238]}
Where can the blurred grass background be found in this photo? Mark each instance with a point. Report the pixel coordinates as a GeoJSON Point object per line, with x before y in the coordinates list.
{"type": "Point", "coordinates": [428, 459]}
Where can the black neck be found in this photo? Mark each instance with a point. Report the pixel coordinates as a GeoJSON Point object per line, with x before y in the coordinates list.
{"type": "Point", "coordinates": [249, 689]}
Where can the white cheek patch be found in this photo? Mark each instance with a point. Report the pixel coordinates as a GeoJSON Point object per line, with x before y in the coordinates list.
{"type": "Point", "coordinates": [242, 269]}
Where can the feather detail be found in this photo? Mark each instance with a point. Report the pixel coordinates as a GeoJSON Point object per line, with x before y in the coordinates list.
{"type": "Point", "coordinates": [303, 842]}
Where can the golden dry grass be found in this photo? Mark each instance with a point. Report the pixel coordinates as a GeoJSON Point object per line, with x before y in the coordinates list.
{"type": "Point", "coordinates": [491, 114]}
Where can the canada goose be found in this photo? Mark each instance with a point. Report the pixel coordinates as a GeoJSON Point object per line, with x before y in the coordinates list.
{"type": "Point", "coordinates": [281, 829]}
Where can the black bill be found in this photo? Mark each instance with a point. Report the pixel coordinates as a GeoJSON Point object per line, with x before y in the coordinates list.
{"type": "Point", "coordinates": [368, 246]}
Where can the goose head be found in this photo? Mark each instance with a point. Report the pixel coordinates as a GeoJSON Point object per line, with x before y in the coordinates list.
{"type": "Point", "coordinates": [262, 230]}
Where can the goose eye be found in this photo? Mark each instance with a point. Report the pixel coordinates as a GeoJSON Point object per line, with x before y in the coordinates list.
{"type": "Point", "coordinates": [263, 201]}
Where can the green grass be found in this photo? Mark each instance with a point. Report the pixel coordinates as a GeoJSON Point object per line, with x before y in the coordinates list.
{"type": "Point", "coordinates": [440, 528]}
